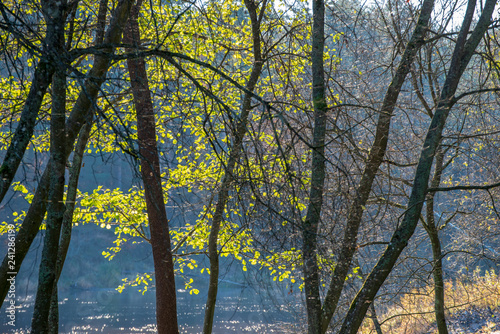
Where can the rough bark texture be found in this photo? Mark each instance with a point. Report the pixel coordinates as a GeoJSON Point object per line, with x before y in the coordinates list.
{"type": "Point", "coordinates": [234, 156]}
{"type": "Point", "coordinates": [74, 176]}
{"type": "Point", "coordinates": [166, 309]}
{"type": "Point", "coordinates": [54, 312]}
{"type": "Point", "coordinates": [53, 13]}
{"type": "Point", "coordinates": [79, 115]}
{"type": "Point", "coordinates": [375, 159]}
{"type": "Point", "coordinates": [311, 223]}
{"type": "Point", "coordinates": [462, 54]}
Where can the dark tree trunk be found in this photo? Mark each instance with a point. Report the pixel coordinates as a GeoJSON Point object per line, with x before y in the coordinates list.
{"type": "Point", "coordinates": [74, 175]}
{"type": "Point", "coordinates": [24, 130]}
{"type": "Point", "coordinates": [464, 49]}
{"type": "Point", "coordinates": [432, 231]}
{"type": "Point", "coordinates": [376, 323]}
{"type": "Point", "coordinates": [67, 223]}
{"type": "Point", "coordinates": [313, 215]}
{"type": "Point", "coordinates": [53, 13]}
{"type": "Point", "coordinates": [166, 309]}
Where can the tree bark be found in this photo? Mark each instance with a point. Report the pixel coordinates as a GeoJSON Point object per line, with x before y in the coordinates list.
{"type": "Point", "coordinates": [166, 309]}
{"type": "Point", "coordinates": [67, 223]}
{"type": "Point", "coordinates": [53, 13]}
{"type": "Point", "coordinates": [80, 113]}
{"type": "Point", "coordinates": [24, 130]}
{"type": "Point", "coordinates": [311, 223]}
{"type": "Point", "coordinates": [464, 49]}
{"type": "Point", "coordinates": [376, 323]}
{"type": "Point", "coordinates": [375, 159]}
{"type": "Point", "coordinates": [74, 176]}
{"type": "Point", "coordinates": [432, 231]}
{"type": "Point", "coordinates": [234, 156]}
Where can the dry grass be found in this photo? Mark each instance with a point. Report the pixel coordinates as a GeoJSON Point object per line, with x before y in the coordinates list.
{"type": "Point", "coordinates": [414, 313]}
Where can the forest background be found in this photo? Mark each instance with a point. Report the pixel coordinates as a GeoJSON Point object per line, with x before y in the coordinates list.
{"type": "Point", "coordinates": [348, 150]}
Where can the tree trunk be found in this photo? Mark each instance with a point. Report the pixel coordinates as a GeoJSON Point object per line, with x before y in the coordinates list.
{"type": "Point", "coordinates": [373, 316]}
{"type": "Point", "coordinates": [313, 215]}
{"type": "Point", "coordinates": [375, 159]}
{"type": "Point", "coordinates": [464, 49]}
{"type": "Point", "coordinates": [166, 309]}
{"type": "Point", "coordinates": [53, 13]}
{"type": "Point", "coordinates": [67, 223]}
{"type": "Point", "coordinates": [234, 155]}
{"type": "Point", "coordinates": [432, 231]}
{"type": "Point", "coordinates": [74, 175]}
{"type": "Point", "coordinates": [24, 130]}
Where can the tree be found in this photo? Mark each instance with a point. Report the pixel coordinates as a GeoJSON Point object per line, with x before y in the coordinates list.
{"type": "Point", "coordinates": [53, 13]}
{"type": "Point", "coordinates": [166, 309]}
{"type": "Point", "coordinates": [234, 155]}
{"type": "Point", "coordinates": [463, 52]}
{"type": "Point", "coordinates": [53, 183]}
{"type": "Point", "coordinates": [311, 223]}
{"type": "Point", "coordinates": [377, 153]}
{"type": "Point", "coordinates": [88, 100]}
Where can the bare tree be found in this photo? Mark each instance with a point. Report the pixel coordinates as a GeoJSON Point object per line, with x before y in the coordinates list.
{"type": "Point", "coordinates": [463, 52]}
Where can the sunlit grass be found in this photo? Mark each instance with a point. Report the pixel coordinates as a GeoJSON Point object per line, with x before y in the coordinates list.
{"type": "Point", "coordinates": [414, 312]}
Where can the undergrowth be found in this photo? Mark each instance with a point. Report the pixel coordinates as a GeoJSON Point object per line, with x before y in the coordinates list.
{"type": "Point", "coordinates": [414, 312]}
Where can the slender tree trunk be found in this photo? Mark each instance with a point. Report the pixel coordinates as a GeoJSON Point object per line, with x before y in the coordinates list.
{"type": "Point", "coordinates": [432, 231]}
{"type": "Point", "coordinates": [376, 323]}
{"type": "Point", "coordinates": [74, 176]}
{"type": "Point", "coordinates": [234, 156]}
{"type": "Point", "coordinates": [373, 312]}
{"type": "Point", "coordinates": [313, 215]}
{"type": "Point", "coordinates": [24, 130]}
{"type": "Point", "coordinates": [53, 321]}
{"type": "Point", "coordinates": [464, 49]}
{"type": "Point", "coordinates": [53, 13]}
{"type": "Point", "coordinates": [67, 223]}
{"type": "Point", "coordinates": [80, 113]}
{"type": "Point", "coordinates": [166, 309]}
{"type": "Point", "coordinates": [375, 159]}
